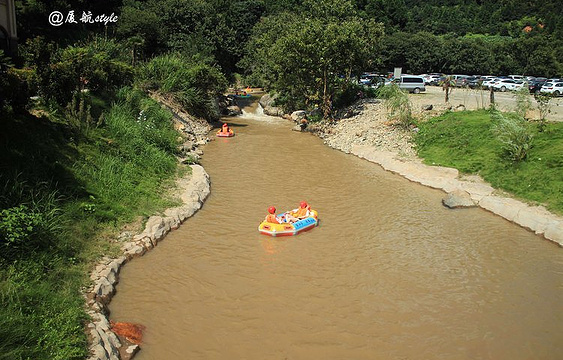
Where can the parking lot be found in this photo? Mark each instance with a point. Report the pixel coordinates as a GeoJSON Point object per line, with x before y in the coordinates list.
{"type": "Point", "coordinates": [477, 99]}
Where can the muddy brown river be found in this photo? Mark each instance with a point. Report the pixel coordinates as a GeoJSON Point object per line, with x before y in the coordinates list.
{"type": "Point", "coordinates": [388, 274]}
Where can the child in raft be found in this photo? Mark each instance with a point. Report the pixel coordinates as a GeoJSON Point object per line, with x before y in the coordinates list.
{"type": "Point", "coordinates": [271, 217]}
{"type": "Point", "coordinates": [301, 212]}
{"type": "Point", "coordinates": [291, 216]}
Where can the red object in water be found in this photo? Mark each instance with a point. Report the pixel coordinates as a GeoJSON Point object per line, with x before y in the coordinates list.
{"type": "Point", "coordinates": [131, 332]}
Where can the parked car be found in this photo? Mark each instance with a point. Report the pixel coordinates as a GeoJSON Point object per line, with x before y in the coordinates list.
{"type": "Point", "coordinates": [556, 89]}
{"type": "Point", "coordinates": [535, 86]}
{"type": "Point", "coordinates": [460, 80]}
{"type": "Point", "coordinates": [473, 82]}
{"type": "Point", "coordinates": [411, 83]}
{"type": "Point", "coordinates": [489, 83]}
{"type": "Point", "coordinates": [507, 84]}
{"type": "Point", "coordinates": [437, 80]}
{"type": "Point", "coordinates": [367, 78]}
{"type": "Point", "coordinates": [431, 79]}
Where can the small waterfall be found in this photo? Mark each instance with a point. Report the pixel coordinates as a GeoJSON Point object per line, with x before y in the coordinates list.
{"type": "Point", "coordinates": [257, 114]}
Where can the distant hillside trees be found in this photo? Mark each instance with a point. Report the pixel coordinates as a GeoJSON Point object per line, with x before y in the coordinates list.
{"type": "Point", "coordinates": [423, 52]}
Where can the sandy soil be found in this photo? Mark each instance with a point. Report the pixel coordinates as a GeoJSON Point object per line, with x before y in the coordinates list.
{"type": "Point", "coordinates": [476, 99]}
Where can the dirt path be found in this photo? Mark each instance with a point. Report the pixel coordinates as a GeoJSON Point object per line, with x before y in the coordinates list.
{"type": "Point", "coordinates": [476, 99]}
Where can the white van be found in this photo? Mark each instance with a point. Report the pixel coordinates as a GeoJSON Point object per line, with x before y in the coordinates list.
{"type": "Point", "coordinates": [412, 83]}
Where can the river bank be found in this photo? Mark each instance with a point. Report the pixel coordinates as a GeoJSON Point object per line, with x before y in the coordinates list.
{"type": "Point", "coordinates": [369, 135]}
{"type": "Point", "coordinates": [192, 190]}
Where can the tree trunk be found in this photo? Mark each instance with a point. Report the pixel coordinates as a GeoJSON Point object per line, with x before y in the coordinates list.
{"type": "Point", "coordinates": [326, 100]}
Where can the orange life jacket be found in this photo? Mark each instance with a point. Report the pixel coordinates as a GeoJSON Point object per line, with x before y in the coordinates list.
{"type": "Point", "coordinates": [271, 218]}
{"type": "Point", "coordinates": [301, 212]}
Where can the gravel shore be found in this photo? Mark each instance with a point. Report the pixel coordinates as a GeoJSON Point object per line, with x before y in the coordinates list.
{"type": "Point", "coordinates": [369, 126]}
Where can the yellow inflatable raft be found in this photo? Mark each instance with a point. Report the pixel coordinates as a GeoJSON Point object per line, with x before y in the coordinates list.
{"type": "Point", "coordinates": [289, 229]}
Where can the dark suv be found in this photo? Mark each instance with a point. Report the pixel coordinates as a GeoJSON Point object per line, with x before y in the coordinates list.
{"type": "Point", "coordinates": [535, 85]}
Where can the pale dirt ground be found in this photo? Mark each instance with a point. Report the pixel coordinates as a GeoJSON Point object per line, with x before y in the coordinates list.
{"type": "Point", "coordinates": [476, 99]}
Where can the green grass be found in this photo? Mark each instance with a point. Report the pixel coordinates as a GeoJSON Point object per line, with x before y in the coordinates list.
{"type": "Point", "coordinates": [466, 141]}
{"type": "Point", "coordinates": [193, 85]}
{"type": "Point", "coordinates": [61, 195]}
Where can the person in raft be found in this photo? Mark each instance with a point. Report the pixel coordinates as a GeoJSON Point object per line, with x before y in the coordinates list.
{"type": "Point", "coordinates": [271, 217]}
{"type": "Point", "coordinates": [301, 212]}
{"type": "Point", "coordinates": [225, 128]}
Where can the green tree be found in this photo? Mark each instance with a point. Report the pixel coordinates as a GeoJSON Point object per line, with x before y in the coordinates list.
{"type": "Point", "coordinates": [308, 57]}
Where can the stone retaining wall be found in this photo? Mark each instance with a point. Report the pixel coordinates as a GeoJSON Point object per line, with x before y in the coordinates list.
{"type": "Point", "coordinates": [534, 218]}
{"type": "Point", "coordinates": [104, 344]}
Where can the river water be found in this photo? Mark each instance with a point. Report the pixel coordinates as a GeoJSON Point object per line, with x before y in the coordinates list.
{"type": "Point", "coordinates": [388, 274]}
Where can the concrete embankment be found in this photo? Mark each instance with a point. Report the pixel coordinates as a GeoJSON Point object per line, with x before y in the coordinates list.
{"type": "Point", "coordinates": [534, 218]}
{"type": "Point", "coordinates": [368, 135]}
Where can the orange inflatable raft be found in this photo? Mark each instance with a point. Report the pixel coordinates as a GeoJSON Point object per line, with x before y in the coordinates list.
{"type": "Point", "coordinates": [222, 133]}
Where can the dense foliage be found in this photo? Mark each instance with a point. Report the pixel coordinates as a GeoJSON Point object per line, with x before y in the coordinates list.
{"type": "Point", "coordinates": [211, 32]}
{"type": "Point", "coordinates": [308, 56]}
{"type": "Point", "coordinates": [498, 37]}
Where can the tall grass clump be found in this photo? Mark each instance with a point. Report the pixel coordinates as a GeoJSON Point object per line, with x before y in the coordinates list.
{"type": "Point", "coordinates": [29, 216]}
{"type": "Point", "coordinates": [514, 133]}
{"type": "Point", "coordinates": [397, 103]}
{"type": "Point", "coordinates": [523, 102]}
{"type": "Point", "coordinates": [194, 85]}
{"type": "Point", "coordinates": [41, 313]}
{"type": "Point", "coordinates": [138, 155]}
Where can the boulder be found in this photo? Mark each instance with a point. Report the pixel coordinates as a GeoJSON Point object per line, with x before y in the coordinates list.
{"type": "Point", "coordinates": [267, 102]}
{"type": "Point", "coordinates": [298, 115]}
{"type": "Point", "coordinates": [233, 110]}
{"type": "Point", "coordinates": [458, 199]}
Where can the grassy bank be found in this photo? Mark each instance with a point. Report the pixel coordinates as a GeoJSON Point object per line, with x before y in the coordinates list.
{"type": "Point", "coordinates": [64, 190]}
{"type": "Point", "coordinates": [469, 142]}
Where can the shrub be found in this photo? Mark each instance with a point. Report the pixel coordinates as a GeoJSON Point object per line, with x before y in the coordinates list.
{"type": "Point", "coordinates": [544, 108]}
{"type": "Point", "coordinates": [30, 218]}
{"type": "Point", "coordinates": [352, 93]}
{"type": "Point", "coordinates": [513, 133]}
{"type": "Point", "coordinates": [397, 104]}
{"type": "Point", "coordinates": [95, 65]}
{"type": "Point", "coordinates": [14, 86]}
{"type": "Point", "coordinates": [523, 102]}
